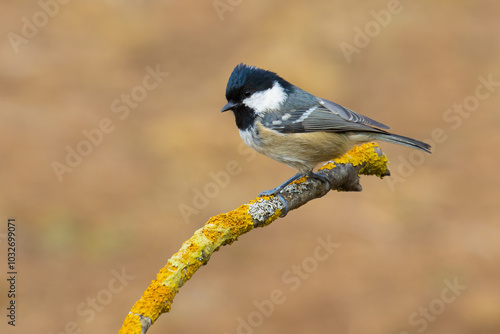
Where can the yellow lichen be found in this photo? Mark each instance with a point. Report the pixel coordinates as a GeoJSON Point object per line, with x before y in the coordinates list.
{"type": "Point", "coordinates": [302, 179]}
{"type": "Point", "coordinates": [131, 324]}
{"type": "Point", "coordinates": [218, 231]}
{"type": "Point", "coordinates": [221, 230]}
{"type": "Point", "coordinates": [275, 216]}
{"type": "Point", "coordinates": [155, 301]}
{"type": "Point", "coordinates": [375, 164]}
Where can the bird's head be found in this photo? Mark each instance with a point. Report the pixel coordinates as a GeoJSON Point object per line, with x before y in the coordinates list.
{"type": "Point", "coordinates": [254, 90]}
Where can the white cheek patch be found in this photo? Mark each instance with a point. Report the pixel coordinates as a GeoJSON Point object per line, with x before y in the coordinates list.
{"type": "Point", "coordinates": [271, 98]}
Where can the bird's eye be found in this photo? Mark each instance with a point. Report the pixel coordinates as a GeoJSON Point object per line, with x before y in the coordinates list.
{"type": "Point", "coordinates": [247, 93]}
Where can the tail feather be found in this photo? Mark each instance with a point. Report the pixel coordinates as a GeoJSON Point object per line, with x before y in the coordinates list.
{"type": "Point", "coordinates": [405, 141]}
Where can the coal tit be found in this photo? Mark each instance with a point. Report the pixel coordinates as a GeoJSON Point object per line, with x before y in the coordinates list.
{"type": "Point", "coordinates": [296, 128]}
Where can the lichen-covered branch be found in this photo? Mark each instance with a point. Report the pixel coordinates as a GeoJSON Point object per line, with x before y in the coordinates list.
{"type": "Point", "coordinates": [224, 229]}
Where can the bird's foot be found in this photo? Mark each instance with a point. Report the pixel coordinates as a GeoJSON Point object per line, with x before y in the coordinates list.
{"type": "Point", "coordinates": [277, 191]}
{"type": "Point", "coordinates": [322, 178]}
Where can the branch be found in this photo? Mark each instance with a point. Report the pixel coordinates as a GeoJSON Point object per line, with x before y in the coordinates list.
{"type": "Point", "coordinates": [223, 229]}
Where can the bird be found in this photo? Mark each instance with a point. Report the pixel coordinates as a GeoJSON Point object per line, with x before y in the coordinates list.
{"type": "Point", "coordinates": [296, 128]}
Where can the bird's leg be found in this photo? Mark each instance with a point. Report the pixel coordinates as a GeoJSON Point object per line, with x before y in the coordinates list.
{"type": "Point", "coordinates": [297, 176]}
{"type": "Point", "coordinates": [278, 189]}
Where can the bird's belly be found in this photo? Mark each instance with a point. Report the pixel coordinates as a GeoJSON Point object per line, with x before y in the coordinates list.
{"type": "Point", "coordinates": [302, 151]}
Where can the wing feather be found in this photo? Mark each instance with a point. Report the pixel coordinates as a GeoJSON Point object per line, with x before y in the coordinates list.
{"type": "Point", "coordinates": [323, 116]}
{"type": "Point", "coordinates": [350, 115]}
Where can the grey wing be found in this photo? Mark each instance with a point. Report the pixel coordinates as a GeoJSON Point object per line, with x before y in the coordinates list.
{"type": "Point", "coordinates": [350, 115]}
{"type": "Point", "coordinates": [324, 116]}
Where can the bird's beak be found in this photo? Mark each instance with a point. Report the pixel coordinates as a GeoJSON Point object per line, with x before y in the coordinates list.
{"type": "Point", "coordinates": [228, 106]}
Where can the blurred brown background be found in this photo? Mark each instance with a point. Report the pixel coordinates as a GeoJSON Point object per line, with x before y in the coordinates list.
{"type": "Point", "coordinates": [416, 254]}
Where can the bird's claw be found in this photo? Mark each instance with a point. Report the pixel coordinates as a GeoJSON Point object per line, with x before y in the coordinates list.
{"type": "Point", "coordinates": [284, 211]}
{"type": "Point", "coordinates": [320, 178]}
